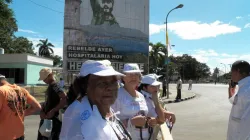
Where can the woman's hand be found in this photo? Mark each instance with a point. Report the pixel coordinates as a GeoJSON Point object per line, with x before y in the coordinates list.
{"type": "Point", "coordinates": [152, 122]}
{"type": "Point", "coordinates": [139, 121]}
{"type": "Point", "coordinates": [170, 116]}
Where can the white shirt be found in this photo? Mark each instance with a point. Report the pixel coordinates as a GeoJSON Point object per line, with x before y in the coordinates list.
{"type": "Point", "coordinates": [130, 107]}
{"type": "Point", "coordinates": [190, 81]}
{"type": "Point", "coordinates": [179, 82]}
{"type": "Point", "coordinates": [239, 120]}
{"type": "Point", "coordinates": [150, 104]}
{"type": "Point", "coordinates": [61, 83]}
{"type": "Point", "coordinates": [81, 122]}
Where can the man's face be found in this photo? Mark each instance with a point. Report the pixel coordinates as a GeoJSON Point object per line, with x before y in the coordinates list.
{"type": "Point", "coordinates": [48, 79]}
{"type": "Point", "coordinates": [235, 75]}
{"type": "Point", "coordinates": [106, 5]}
{"type": "Point", "coordinates": [102, 90]}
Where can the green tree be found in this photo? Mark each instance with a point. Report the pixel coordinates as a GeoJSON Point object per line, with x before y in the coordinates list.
{"type": "Point", "coordinates": [57, 60]}
{"type": "Point", "coordinates": [156, 57]}
{"type": "Point", "coordinates": [188, 67]}
{"type": "Point", "coordinates": [7, 24]}
{"type": "Point", "coordinates": [21, 45]}
{"type": "Point", "coordinates": [45, 48]}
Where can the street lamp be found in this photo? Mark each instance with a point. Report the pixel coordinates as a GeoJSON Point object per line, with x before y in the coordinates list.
{"type": "Point", "coordinates": [166, 55]}
{"type": "Point", "coordinates": [224, 66]}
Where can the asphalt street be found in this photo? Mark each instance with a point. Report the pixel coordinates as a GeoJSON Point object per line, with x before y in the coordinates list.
{"type": "Point", "coordinates": [202, 118]}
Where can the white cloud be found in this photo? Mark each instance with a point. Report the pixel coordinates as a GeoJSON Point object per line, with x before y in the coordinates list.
{"type": "Point", "coordinates": [34, 40]}
{"type": "Point", "coordinates": [226, 61]}
{"type": "Point", "coordinates": [175, 53]}
{"type": "Point", "coordinates": [155, 29]}
{"type": "Point", "coordinates": [191, 30]}
{"type": "Point", "coordinates": [206, 53]}
{"type": "Point", "coordinates": [150, 48]}
{"type": "Point", "coordinates": [247, 25]}
{"type": "Point", "coordinates": [200, 58]}
{"type": "Point", "coordinates": [27, 31]}
{"type": "Point", "coordinates": [239, 17]}
{"type": "Point", "coordinates": [228, 55]}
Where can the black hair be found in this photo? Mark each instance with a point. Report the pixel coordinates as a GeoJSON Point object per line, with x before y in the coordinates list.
{"type": "Point", "coordinates": [140, 88]}
{"type": "Point", "coordinates": [72, 95]}
{"type": "Point", "coordinates": [77, 89]}
{"type": "Point", "coordinates": [80, 85]}
{"type": "Point", "coordinates": [242, 66]}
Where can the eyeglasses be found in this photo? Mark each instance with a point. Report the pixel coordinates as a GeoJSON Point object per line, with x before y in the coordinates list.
{"type": "Point", "coordinates": [107, 84]}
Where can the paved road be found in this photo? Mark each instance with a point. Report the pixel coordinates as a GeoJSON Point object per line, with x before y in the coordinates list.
{"type": "Point", "coordinates": [202, 118]}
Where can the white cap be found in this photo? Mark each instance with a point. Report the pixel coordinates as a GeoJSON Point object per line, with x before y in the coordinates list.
{"type": "Point", "coordinates": [99, 68]}
{"type": "Point", "coordinates": [131, 68]}
{"type": "Point", "coordinates": [150, 79]}
{"type": "Point", "coordinates": [2, 76]}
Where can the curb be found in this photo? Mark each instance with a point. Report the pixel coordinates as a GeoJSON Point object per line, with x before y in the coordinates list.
{"type": "Point", "coordinates": [184, 99]}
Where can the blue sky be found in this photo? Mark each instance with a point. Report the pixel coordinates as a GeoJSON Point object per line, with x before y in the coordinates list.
{"type": "Point", "coordinates": [214, 31]}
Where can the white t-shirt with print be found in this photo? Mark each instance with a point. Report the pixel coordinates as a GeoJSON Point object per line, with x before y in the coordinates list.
{"type": "Point", "coordinates": [130, 107]}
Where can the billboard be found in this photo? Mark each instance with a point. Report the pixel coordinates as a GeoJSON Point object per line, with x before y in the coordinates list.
{"type": "Point", "coordinates": [116, 30]}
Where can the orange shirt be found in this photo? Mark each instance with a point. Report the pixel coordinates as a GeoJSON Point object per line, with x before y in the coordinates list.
{"type": "Point", "coordinates": [13, 100]}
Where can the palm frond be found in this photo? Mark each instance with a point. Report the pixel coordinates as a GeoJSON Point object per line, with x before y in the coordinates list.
{"type": "Point", "coordinates": [52, 51]}
{"type": "Point", "coordinates": [51, 45]}
{"type": "Point", "coordinates": [39, 44]}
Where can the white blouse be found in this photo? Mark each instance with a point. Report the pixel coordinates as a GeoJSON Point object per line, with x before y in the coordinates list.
{"type": "Point", "coordinates": [83, 122]}
{"type": "Point", "coordinates": [130, 107]}
{"type": "Point", "coordinates": [150, 104]}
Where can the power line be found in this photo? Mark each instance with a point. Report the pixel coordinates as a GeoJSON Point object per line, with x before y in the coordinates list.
{"type": "Point", "coordinates": [60, 1]}
{"type": "Point", "coordinates": [45, 7]}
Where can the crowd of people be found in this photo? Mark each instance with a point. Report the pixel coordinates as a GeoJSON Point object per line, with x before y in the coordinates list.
{"type": "Point", "coordinates": [104, 104]}
{"type": "Point", "coordinates": [101, 104]}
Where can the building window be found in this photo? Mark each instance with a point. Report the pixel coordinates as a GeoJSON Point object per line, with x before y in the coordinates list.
{"type": "Point", "coordinates": [16, 75]}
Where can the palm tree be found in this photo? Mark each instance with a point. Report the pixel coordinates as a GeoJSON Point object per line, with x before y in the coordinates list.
{"type": "Point", "coordinates": [156, 56]}
{"type": "Point", "coordinates": [45, 48]}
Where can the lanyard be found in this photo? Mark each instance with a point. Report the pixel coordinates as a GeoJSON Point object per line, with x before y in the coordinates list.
{"type": "Point", "coordinates": [126, 135]}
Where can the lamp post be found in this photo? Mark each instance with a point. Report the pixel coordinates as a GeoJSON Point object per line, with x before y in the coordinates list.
{"type": "Point", "coordinates": [225, 67]}
{"type": "Point", "coordinates": [166, 55]}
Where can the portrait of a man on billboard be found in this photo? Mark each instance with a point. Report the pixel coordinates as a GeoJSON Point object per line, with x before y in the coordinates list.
{"type": "Point", "coordinates": [102, 12]}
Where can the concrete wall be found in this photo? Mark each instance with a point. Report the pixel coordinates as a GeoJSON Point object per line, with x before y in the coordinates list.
{"type": "Point", "coordinates": [33, 74]}
{"type": "Point", "coordinates": [25, 58]}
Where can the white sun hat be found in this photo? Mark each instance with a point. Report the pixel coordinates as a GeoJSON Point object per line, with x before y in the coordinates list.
{"type": "Point", "coordinates": [2, 76]}
{"type": "Point", "coordinates": [150, 79]}
{"type": "Point", "coordinates": [99, 68]}
{"type": "Point", "coordinates": [131, 68]}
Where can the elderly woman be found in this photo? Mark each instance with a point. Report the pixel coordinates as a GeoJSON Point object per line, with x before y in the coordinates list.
{"type": "Point", "coordinates": [132, 106]}
{"type": "Point", "coordinates": [150, 88]}
{"type": "Point", "coordinates": [90, 116]}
